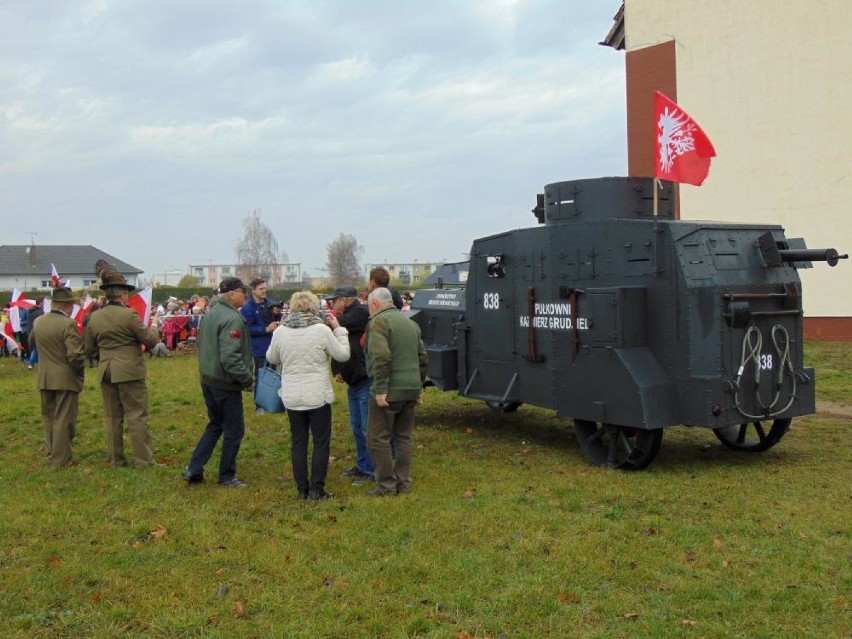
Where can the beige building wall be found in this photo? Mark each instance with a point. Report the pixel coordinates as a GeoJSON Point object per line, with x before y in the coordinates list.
{"type": "Point", "coordinates": [769, 82]}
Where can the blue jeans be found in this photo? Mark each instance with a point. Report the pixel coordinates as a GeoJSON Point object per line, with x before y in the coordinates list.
{"type": "Point", "coordinates": [33, 357]}
{"type": "Point", "coordinates": [225, 411]}
{"type": "Point", "coordinates": [359, 403]}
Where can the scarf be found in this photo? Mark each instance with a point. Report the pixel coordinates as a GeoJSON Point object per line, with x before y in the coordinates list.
{"type": "Point", "coordinates": [302, 319]}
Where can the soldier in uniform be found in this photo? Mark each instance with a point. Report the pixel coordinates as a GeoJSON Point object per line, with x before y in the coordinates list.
{"type": "Point", "coordinates": [60, 375]}
{"type": "Point", "coordinates": [114, 336]}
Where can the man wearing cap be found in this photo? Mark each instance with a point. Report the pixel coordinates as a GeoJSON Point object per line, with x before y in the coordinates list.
{"type": "Point", "coordinates": [353, 316]}
{"type": "Point", "coordinates": [114, 336]}
{"type": "Point", "coordinates": [60, 375]}
{"type": "Point", "coordinates": [396, 364]}
{"type": "Point", "coordinates": [225, 366]}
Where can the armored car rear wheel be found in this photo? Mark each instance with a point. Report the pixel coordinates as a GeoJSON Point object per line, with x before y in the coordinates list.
{"type": "Point", "coordinates": [751, 437]}
{"type": "Point", "coordinates": [503, 407]}
{"type": "Point", "coordinates": [614, 446]}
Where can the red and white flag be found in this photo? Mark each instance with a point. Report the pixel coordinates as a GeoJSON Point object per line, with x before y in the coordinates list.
{"type": "Point", "coordinates": [54, 277]}
{"type": "Point", "coordinates": [141, 303]}
{"type": "Point", "coordinates": [9, 334]}
{"type": "Point", "coordinates": [78, 313]}
{"type": "Point", "coordinates": [682, 151]}
{"type": "Point", "coordinates": [17, 301]}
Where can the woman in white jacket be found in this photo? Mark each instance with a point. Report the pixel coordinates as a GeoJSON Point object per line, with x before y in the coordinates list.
{"type": "Point", "coordinates": [302, 345]}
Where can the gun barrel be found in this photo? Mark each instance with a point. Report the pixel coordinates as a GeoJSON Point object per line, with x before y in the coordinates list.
{"type": "Point", "coordinates": [812, 255]}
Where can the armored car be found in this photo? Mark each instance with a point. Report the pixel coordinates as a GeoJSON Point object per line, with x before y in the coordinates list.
{"type": "Point", "coordinates": [629, 322]}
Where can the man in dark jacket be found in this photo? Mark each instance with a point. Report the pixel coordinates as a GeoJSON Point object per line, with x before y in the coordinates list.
{"type": "Point", "coordinates": [225, 367]}
{"type": "Point", "coordinates": [353, 316]}
{"type": "Point", "coordinates": [257, 312]}
{"type": "Point", "coordinates": [36, 312]}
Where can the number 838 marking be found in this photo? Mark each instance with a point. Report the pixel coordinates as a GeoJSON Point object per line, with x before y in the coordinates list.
{"type": "Point", "coordinates": [491, 301]}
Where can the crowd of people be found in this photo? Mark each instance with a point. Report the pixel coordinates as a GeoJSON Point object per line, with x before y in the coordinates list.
{"type": "Point", "coordinates": [361, 340]}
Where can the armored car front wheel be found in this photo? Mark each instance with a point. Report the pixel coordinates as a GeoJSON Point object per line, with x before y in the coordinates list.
{"type": "Point", "coordinates": [615, 446]}
{"type": "Point", "coordinates": [751, 437]}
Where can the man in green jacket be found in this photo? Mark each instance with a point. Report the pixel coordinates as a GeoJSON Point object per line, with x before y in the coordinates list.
{"type": "Point", "coordinates": [396, 364]}
{"type": "Point", "coordinates": [226, 367]}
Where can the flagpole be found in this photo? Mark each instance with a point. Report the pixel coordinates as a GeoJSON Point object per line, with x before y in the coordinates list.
{"type": "Point", "coordinates": [655, 183]}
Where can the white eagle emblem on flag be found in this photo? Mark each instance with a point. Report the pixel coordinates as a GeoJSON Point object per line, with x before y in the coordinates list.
{"type": "Point", "coordinates": [675, 130]}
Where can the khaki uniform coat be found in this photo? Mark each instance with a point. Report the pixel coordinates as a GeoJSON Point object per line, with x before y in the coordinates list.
{"type": "Point", "coordinates": [114, 335]}
{"type": "Point", "coordinates": [60, 353]}
{"type": "Point", "coordinates": [60, 379]}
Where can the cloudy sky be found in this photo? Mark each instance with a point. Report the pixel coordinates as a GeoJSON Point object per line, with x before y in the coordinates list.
{"type": "Point", "coordinates": [151, 128]}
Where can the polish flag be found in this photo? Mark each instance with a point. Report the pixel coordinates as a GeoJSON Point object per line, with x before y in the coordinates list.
{"type": "Point", "coordinates": [78, 313]}
{"type": "Point", "coordinates": [9, 334]}
{"type": "Point", "coordinates": [54, 277]}
{"type": "Point", "coordinates": [681, 149]}
{"type": "Point", "coordinates": [141, 303]}
{"type": "Point", "coordinates": [18, 301]}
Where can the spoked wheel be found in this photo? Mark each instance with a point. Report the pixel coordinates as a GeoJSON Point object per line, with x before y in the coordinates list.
{"type": "Point", "coordinates": [618, 446]}
{"type": "Point", "coordinates": [503, 407]}
{"type": "Point", "coordinates": [751, 437]}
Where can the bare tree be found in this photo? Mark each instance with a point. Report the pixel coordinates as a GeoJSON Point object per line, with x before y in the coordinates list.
{"type": "Point", "coordinates": [344, 260]}
{"type": "Point", "coordinates": [257, 251]}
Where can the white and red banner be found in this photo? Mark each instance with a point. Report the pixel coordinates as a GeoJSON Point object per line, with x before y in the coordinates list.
{"type": "Point", "coordinates": [55, 281]}
{"type": "Point", "coordinates": [9, 334]}
{"type": "Point", "coordinates": [682, 151]}
{"type": "Point", "coordinates": [141, 303]}
{"type": "Point", "coordinates": [78, 313]}
{"type": "Point", "coordinates": [17, 301]}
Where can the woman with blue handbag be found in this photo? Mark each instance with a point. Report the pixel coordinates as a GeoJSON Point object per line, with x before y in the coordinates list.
{"type": "Point", "coordinates": [303, 345]}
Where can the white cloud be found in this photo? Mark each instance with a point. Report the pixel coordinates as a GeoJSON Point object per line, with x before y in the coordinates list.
{"type": "Point", "coordinates": [385, 119]}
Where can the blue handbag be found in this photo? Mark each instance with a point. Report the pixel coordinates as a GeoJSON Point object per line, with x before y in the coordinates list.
{"type": "Point", "coordinates": [268, 385]}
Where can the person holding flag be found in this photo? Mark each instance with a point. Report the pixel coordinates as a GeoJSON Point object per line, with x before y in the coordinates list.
{"type": "Point", "coordinates": [114, 336]}
{"type": "Point", "coordinates": [60, 375]}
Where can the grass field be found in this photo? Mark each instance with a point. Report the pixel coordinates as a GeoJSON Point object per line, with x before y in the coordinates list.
{"type": "Point", "coordinates": [509, 532]}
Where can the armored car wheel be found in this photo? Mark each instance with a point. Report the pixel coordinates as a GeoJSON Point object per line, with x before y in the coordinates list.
{"type": "Point", "coordinates": [617, 446]}
{"type": "Point", "coordinates": [503, 407]}
{"type": "Point", "coordinates": [751, 437]}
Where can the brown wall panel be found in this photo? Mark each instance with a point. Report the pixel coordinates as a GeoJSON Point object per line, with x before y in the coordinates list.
{"type": "Point", "coordinates": [649, 69]}
{"type": "Point", "coordinates": [828, 329]}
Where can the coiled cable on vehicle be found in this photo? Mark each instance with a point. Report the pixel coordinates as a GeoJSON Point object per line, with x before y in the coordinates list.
{"type": "Point", "coordinates": [751, 347]}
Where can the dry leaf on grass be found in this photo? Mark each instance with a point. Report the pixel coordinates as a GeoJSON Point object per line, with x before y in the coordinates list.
{"type": "Point", "coordinates": [96, 596]}
{"type": "Point", "coordinates": [158, 533]}
{"type": "Point", "coordinates": [220, 572]}
{"type": "Point", "coordinates": [691, 556]}
{"type": "Point", "coordinates": [649, 532]}
{"type": "Point", "coordinates": [239, 609]}
{"type": "Point", "coordinates": [687, 622]}
{"type": "Point", "coordinates": [136, 545]}
{"type": "Point", "coordinates": [631, 615]}
{"type": "Point", "coordinates": [717, 544]}
{"type": "Point", "coordinates": [469, 431]}
{"type": "Point", "coordinates": [469, 494]}
{"type": "Point", "coordinates": [54, 559]}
